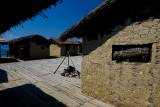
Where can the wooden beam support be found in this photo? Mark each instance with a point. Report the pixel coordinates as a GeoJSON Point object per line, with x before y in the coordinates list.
{"type": "Point", "coordinates": [132, 52]}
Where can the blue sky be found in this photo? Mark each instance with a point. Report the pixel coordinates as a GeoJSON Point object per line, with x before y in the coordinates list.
{"type": "Point", "coordinates": [60, 18]}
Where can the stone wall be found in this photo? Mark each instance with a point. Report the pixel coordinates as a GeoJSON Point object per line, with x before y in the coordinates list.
{"type": "Point", "coordinates": [74, 49]}
{"type": "Point", "coordinates": [63, 50]}
{"type": "Point", "coordinates": [125, 84]}
{"type": "Point", "coordinates": [55, 50]}
{"type": "Point", "coordinates": [14, 50]}
{"type": "Point", "coordinates": [38, 51]}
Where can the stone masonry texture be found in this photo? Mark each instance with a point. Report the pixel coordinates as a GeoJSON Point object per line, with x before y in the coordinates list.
{"type": "Point", "coordinates": [125, 84]}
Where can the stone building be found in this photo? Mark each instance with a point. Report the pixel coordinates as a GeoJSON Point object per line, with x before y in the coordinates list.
{"type": "Point", "coordinates": [121, 52]}
{"type": "Point", "coordinates": [29, 47]}
{"type": "Point", "coordinates": [60, 48]}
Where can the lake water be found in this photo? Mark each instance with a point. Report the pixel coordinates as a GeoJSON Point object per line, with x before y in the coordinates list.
{"type": "Point", "coordinates": [4, 49]}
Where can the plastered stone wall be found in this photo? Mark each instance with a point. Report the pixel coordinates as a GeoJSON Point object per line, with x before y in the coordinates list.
{"type": "Point", "coordinates": [60, 50]}
{"type": "Point", "coordinates": [125, 84]}
{"type": "Point", "coordinates": [55, 50]}
{"type": "Point", "coordinates": [63, 50]}
{"type": "Point", "coordinates": [14, 51]}
{"type": "Point", "coordinates": [74, 49]}
{"type": "Point", "coordinates": [36, 51]}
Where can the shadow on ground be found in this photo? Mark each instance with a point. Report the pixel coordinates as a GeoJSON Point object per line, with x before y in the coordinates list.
{"type": "Point", "coordinates": [51, 57]}
{"type": "Point", "coordinates": [3, 76]}
{"type": "Point", "coordinates": [27, 96]}
{"type": "Point", "coordinates": [7, 60]}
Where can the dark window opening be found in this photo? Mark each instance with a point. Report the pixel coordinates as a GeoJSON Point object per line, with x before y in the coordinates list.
{"type": "Point", "coordinates": [131, 53]}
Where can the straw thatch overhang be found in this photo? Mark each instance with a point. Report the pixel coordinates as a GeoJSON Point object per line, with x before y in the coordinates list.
{"type": "Point", "coordinates": [80, 41]}
{"type": "Point", "coordinates": [67, 42]}
{"type": "Point", "coordinates": [14, 12]}
{"type": "Point", "coordinates": [2, 41]}
{"type": "Point", "coordinates": [31, 38]}
{"type": "Point", "coordinates": [112, 13]}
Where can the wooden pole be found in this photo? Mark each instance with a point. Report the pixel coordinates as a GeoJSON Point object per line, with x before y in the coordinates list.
{"type": "Point", "coordinates": [0, 50]}
{"type": "Point", "coordinates": [132, 52]}
{"type": "Point", "coordinates": [72, 62]}
{"type": "Point", "coordinates": [59, 65]}
{"type": "Point", "coordinates": [63, 61]}
{"type": "Point", "coordinates": [68, 59]}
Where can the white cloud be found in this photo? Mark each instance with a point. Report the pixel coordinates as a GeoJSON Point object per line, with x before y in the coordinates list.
{"type": "Point", "coordinates": [10, 37]}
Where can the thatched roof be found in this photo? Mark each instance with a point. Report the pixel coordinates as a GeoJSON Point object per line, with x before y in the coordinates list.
{"type": "Point", "coordinates": [112, 13]}
{"type": "Point", "coordinates": [14, 12]}
{"type": "Point", "coordinates": [31, 38]}
{"type": "Point", "coordinates": [2, 41]}
{"type": "Point", "coordinates": [67, 42]}
{"type": "Point", "coordinates": [80, 41]}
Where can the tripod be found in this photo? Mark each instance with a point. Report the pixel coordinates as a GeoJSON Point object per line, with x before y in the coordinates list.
{"type": "Point", "coordinates": [67, 56]}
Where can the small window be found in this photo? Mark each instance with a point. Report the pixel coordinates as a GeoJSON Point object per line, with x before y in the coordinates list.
{"type": "Point", "coordinates": [131, 53]}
